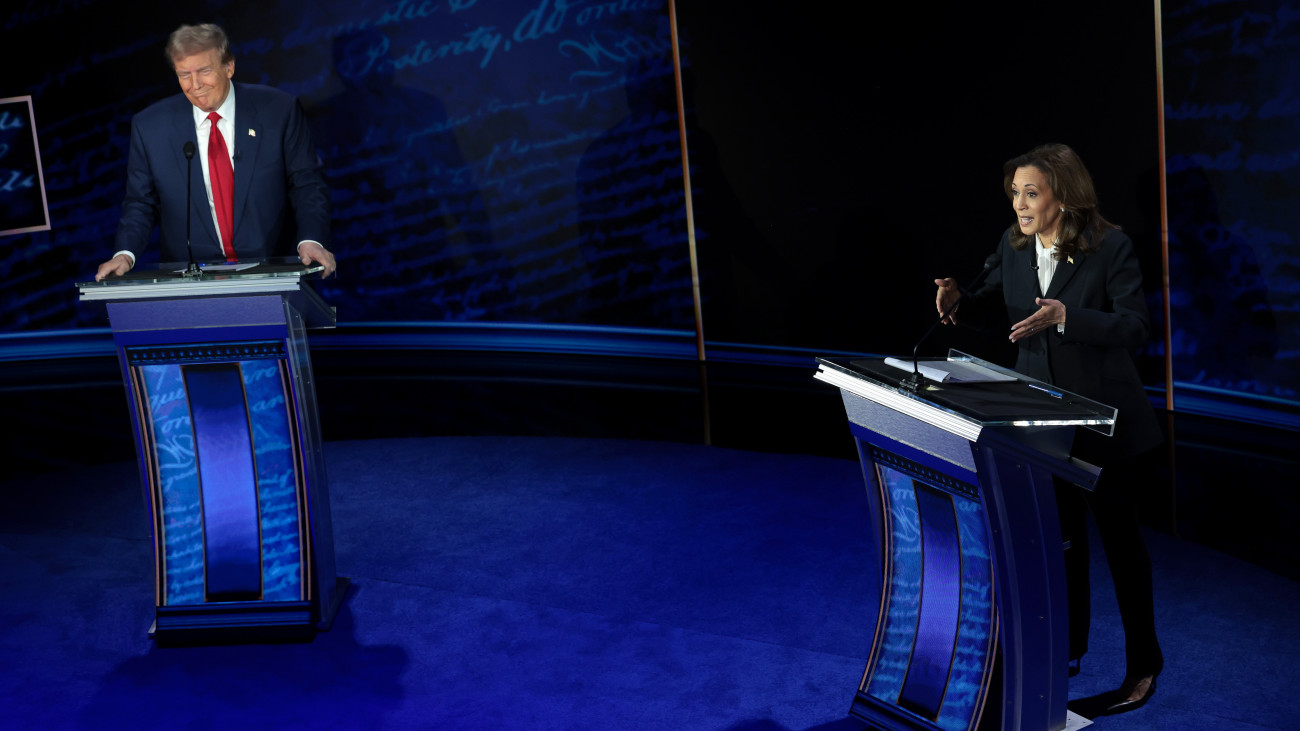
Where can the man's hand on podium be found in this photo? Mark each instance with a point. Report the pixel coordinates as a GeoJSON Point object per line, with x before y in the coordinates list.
{"type": "Point", "coordinates": [115, 267]}
{"type": "Point", "coordinates": [310, 251]}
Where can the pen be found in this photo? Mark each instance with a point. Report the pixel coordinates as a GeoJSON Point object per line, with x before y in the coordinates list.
{"type": "Point", "coordinates": [1045, 390]}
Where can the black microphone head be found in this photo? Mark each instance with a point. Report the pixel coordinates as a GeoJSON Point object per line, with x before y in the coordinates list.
{"type": "Point", "coordinates": [994, 259]}
{"type": "Point", "coordinates": [189, 150]}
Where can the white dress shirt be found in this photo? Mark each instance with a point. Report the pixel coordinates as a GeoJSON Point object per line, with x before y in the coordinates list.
{"type": "Point", "coordinates": [1046, 264]}
{"type": "Point", "coordinates": [1046, 268]}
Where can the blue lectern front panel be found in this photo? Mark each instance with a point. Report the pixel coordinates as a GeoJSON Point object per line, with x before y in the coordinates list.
{"type": "Point", "coordinates": [266, 383]}
{"type": "Point", "coordinates": [936, 636]}
{"type": "Point", "coordinates": [180, 534]}
{"type": "Point", "coordinates": [231, 523]}
{"type": "Point", "coordinates": [223, 443]}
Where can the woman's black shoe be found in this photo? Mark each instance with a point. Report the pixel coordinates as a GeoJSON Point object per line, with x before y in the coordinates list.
{"type": "Point", "coordinates": [1125, 693]}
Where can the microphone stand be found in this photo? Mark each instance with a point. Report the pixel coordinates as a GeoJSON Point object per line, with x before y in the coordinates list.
{"type": "Point", "coordinates": [192, 271]}
{"type": "Point", "coordinates": [913, 382]}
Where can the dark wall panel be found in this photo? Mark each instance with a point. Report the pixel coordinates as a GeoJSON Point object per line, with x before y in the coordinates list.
{"type": "Point", "coordinates": [852, 158]}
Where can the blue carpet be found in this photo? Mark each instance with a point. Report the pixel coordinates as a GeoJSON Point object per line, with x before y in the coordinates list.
{"type": "Point", "coordinates": [546, 583]}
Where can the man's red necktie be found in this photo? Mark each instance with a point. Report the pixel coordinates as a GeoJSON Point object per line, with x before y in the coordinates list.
{"type": "Point", "coordinates": [222, 175]}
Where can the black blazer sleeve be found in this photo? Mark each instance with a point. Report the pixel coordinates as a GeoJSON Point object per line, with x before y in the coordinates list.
{"type": "Point", "coordinates": [1106, 322]}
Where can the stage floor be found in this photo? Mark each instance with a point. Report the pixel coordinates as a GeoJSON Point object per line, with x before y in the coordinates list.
{"type": "Point", "coordinates": [562, 583]}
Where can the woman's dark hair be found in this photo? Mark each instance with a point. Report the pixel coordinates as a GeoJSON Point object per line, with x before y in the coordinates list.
{"type": "Point", "coordinates": [1082, 226]}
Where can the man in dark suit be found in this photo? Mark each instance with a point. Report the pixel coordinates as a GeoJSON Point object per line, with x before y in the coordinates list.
{"type": "Point", "coordinates": [255, 191]}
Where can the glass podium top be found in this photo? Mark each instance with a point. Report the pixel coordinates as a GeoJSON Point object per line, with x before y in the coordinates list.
{"type": "Point", "coordinates": [986, 395]}
{"type": "Point", "coordinates": [266, 275]}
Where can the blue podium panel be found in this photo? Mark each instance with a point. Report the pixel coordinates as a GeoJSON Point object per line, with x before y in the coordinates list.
{"type": "Point", "coordinates": [223, 450]}
{"type": "Point", "coordinates": [936, 635]}
{"type": "Point", "coordinates": [280, 487]}
{"type": "Point", "coordinates": [224, 473]}
{"type": "Point", "coordinates": [174, 485]}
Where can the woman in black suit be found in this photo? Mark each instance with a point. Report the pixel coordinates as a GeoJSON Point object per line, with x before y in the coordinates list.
{"type": "Point", "coordinates": [1070, 282]}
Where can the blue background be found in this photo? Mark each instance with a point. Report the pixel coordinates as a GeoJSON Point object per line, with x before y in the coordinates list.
{"type": "Point", "coordinates": [1233, 121]}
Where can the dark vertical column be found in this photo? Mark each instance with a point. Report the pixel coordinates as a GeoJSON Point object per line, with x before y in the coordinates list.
{"type": "Point", "coordinates": [223, 446]}
{"type": "Point", "coordinates": [936, 626]}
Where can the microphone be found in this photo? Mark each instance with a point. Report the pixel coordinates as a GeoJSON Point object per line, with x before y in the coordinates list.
{"type": "Point", "coordinates": [193, 269]}
{"type": "Point", "coordinates": [913, 381]}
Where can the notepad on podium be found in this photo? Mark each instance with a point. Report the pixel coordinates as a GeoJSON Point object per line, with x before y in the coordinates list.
{"type": "Point", "coordinates": [952, 371]}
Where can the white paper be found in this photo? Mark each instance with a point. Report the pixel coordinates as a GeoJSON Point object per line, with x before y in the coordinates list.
{"type": "Point", "coordinates": [228, 267]}
{"type": "Point", "coordinates": [952, 371]}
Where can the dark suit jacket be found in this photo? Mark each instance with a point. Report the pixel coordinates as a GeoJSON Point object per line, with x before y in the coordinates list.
{"type": "Point", "coordinates": [1106, 322]}
{"type": "Point", "coordinates": [275, 164]}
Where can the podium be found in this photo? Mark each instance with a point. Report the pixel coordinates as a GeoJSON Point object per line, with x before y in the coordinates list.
{"type": "Point", "coordinates": [227, 435]}
{"type": "Point", "coordinates": [970, 618]}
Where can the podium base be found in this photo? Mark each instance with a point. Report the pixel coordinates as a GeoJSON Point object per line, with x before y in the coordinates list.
{"type": "Point", "coordinates": [238, 623]}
